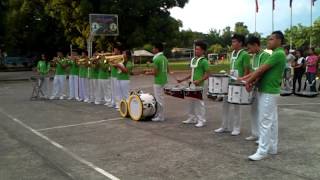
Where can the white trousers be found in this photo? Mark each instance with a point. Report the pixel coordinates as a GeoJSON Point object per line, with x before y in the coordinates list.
{"type": "Point", "coordinates": [58, 85]}
{"type": "Point", "coordinates": [268, 123]}
{"type": "Point", "coordinates": [83, 88]}
{"type": "Point", "coordinates": [159, 95]}
{"type": "Point", "coordinates": [104, 90]}
{"type": "Point", "coordinates": [44, 85]}
{"type": "Point", "coordinates": [93, 89]}
{"type": "Point", "coordinates": [123, 89]}
{"type": "Point", "coordinates": [114, 91]}
{"type": "Point", "coordinates": [73, 86]}
{"type": "Point", "coordinates": [197, 110]}
{"type": "Point", "coordinates": [254, 114]}
{"type": "Point", "coordinates": [231, 116]}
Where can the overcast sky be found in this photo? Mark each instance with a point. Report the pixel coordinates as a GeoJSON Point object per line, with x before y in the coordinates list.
{"type": "Point", "coordinates": [202, 15]}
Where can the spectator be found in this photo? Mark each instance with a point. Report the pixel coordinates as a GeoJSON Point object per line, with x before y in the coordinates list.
{"type": "Point", "coordinates": [299, 69]}
{"type": "Point", "coordinates": [311, 69]}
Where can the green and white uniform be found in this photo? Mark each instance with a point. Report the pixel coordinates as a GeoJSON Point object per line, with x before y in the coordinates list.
{"type": "Point", "coordinates": [104, 84]}
{"type": "Point", "coordinates": [73, 80]}
{"type": "Point", "coordinates": [59, 79]}
{"type": "Point", "coordinates": [124, 80]}
{"type": "Point", "coordinates": [160, 63]}
{"type": "Point", "coordinates": [197, 110]}
{"type": "Point", "coordinates": [43, 68]}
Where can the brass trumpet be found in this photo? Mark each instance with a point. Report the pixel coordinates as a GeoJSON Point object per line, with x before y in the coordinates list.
{"type": "Point", "coordinates": [113, 60]}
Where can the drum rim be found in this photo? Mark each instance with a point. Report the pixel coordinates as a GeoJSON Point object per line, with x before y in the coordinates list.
{"type": "Point", "coordinates": [141, 106]}
{"type": "Point", "coordinates": [124, 114]}
{"type": "Point", "coordinates": [218, 75]}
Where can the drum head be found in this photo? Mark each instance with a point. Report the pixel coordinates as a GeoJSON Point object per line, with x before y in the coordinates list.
{"type": "Point", "coordinates": [124, 108]}
{"type": "Point", "coordinates": [135, 107]}
{"type": "Point", "coordinates": [218, 75]}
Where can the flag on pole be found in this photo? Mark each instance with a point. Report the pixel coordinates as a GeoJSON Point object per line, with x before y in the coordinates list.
{"type": "Point", "coordinates": [290, 3]}
{"type": "Point", "coordinates": [273, 4]}
{"type": "Point", "coordinates": [313, 2]}
{"type": "Point", "coordinates": [257, 6]}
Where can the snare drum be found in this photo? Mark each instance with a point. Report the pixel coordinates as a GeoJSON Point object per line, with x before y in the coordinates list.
{"type": "Point", "coordinates": [177, 92]}
{"type": "Point", "coordinates": [218, 84]}
{"type": "Point", "coordinates": [142, 106]}
{"type": "Point", "coordinates": [238, 94]}
{"type": "Point", "coordinates": [193, 92]}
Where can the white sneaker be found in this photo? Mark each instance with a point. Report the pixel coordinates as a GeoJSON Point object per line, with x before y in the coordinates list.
{"type": "Point", "coordinates": [235, 133]}
{"type": "Point", "coordinates": [257, 157]}
{"type": "Point", "coordinates": [52, 98]}
{"type": "Point", "coordinates": [61, 97]}
{"type": "Point", "coordinates": [78, 99]}
{"type": "Point", "coordinates": [110, 105]}
{"type": "Point", "coordinates": [106, 104]}
{"type": "Point", "coordinates": [70, 98]}
{"type": "Point", "coordinates": [157, 119]}
{"type": "Point", "coordinates": [200, 124]}
{"type": "Point", "coordinates": [251, 138]}
{"type": "Point", "coordinates": [220, 130]}
{"type": "Point", "coordinates": [189, 121]}
{"type": "Point", "coordinates": [97, 103]}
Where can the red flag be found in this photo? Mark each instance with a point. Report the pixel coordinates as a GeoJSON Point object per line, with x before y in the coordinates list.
{"type": "Point", "coordinates": [257, 6]}
{"type": "Point", "coordinates": [273, 4]}
{"type": "Point", "coordinates": [290, 3]}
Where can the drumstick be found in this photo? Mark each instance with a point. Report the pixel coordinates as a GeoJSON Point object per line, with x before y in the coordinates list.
{"type": "Point", "coordinates": [235, 78]}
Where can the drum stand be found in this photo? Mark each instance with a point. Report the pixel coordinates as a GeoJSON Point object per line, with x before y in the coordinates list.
{"type": "Point", "coordinates": [37, 85]}
{"type": "Point", "coordinates": [308, 92]}
{"type": "Point", "coordinates": [287, 87]}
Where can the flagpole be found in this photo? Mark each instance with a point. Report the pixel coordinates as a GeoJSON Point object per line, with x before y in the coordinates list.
{"type": "Point", "coordinates": [291, 27]}
{"type": "Point", "coordinates": [311, 24]}
{"type": "Point", "coordinates": [255, 22]}
{"type": "Point", "coordinates": [272, 16]}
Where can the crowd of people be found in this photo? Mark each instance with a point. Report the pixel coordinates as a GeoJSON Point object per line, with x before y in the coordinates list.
{"type": "Point", "coordinates": [302, 63]}
{"type": "Point", "coordinates": [262, 73]}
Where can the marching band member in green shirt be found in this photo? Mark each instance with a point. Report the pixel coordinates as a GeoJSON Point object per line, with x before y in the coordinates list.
{"type": "Point", "coordinates": [115, 101]}
{"type": "Point", "coordinates": [269, 75]}
{"type": "Point", "coordinates": [124, 71]}
{"type": "Point", "coordinates": [240, 66]}
{"type": "Point", "coordinates": [259, 57]}
{"type": "Point", "coordinates": [43, 68]}
{"type": "Point", "coordinates": [200, 65]}
{"type": "Point", "coordinates": [83, 76]}
{"type": "Point", "coordinates": [60, 77]}
{"type": "Point", "coordinates": [160, 73]}
{"type": "Point", "coordinates": [73, 77]}
{"type": "Point", "coordinates": [104, 83]}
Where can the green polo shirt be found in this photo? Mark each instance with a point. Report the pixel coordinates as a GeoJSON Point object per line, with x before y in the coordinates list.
{"type": "Point", "coordinates": [83, 72]}
{"type": "Point", "coordinates": [200, 70]}
{"type": "Point", "coordinates": [43, 67]}
{"type": "Point", "coordinates": [114, 72]}
{"type": "Point", "coordinates": [160, 62]}
{"type": "Point", "coordinates": [258, 59]}
{"type": "Point", "coordinates": [123, 75]}
{"type": "Point", "coordinates": [271, 79]}
{"type": "Point", "coordinates": [103, 71]}
{"type": "Point", "coordinates": [59, 69]}
{"type": "Point", "coordinates": [74, 70]}
{"type": "Point", "coordinates": [241, 63]}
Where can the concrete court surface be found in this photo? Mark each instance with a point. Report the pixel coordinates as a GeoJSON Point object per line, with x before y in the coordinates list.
{"type": "Point", "coordinates": [60, 139]}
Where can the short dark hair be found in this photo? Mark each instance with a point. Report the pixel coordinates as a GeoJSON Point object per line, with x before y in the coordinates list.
{"type": "Point", "coordinates": [312, 49]}
{"type": "Point", "coordinates": [201, 44]}
{"type": "Point", "coordinates": [300, 51]}
{"type": "Point", "coordinates": [128, 53]}
{"type": "Point", "coordinates": [159, 46]}
{"type": "Point", "coordinates": [279, 35]}
{"type": "Point", "coordinates": [240, 38]}
{"type": "Point", "coordinates": [253, 40]}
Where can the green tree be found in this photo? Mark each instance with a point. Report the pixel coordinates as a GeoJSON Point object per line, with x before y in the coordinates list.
{"type": "Point", "coordinates": [241, 28]}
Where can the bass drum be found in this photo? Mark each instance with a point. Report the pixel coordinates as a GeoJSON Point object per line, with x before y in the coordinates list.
{"type": "Point", "coordinates": [124, 110]}
{"type": "Point", "coordinates": [142, 106]}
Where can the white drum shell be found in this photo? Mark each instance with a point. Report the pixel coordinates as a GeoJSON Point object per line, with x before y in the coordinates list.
{"type": "Point", "coordinates": [238, 94]}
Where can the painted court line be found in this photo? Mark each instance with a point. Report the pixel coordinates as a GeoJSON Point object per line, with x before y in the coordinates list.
{"type": "Point", "coordinates": [80, 124]}
{"type": "Point", "coordinates": [76, 157]}
{"type": "Point", "coordinates": [302, 104]}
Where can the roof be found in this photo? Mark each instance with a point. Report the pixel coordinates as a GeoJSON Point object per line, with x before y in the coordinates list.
{"type": "Point", "coordinates": [142, 53]}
